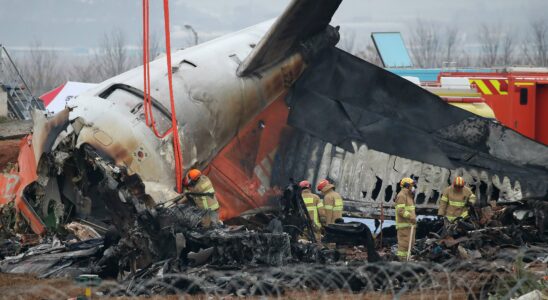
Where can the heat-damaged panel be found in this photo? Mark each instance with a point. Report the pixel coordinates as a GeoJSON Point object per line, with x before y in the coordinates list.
{"type": "Point", "coordinates": [378, 127]}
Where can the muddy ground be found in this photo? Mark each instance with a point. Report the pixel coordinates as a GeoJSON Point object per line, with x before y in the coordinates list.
{"type": "Point", "coordinates": [9, 150]}
{"type": "Point", "coordinates": [16, 286]}
{"type": "Point", "coordinates": [11, 133]}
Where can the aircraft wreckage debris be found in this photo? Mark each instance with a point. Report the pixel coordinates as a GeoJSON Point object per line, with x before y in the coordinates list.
{"type": "Point", "coordinates": [161, 250]}
{"type": "Point", "coordinates": [91, 192]}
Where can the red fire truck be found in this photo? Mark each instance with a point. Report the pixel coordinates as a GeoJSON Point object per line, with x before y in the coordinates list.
{"type": "Point", "coordinates": [518, 97]}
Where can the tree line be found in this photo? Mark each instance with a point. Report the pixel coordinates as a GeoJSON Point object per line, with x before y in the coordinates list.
{"type": "Point", "coordinates": [44, 70]}
{"type": "Point", "coordinates": [430, 46]}
{"type": "Point", "coordinates": [492, 46]}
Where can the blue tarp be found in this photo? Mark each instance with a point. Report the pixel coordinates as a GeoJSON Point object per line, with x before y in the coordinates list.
{"type": "Point", "coordinates": [430, 74]}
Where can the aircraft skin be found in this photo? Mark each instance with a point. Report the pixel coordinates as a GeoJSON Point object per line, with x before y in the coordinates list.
{"type": "Point", "coordinates": [212, 104]}
{"type": "Point", "coordinates": [219, 86]}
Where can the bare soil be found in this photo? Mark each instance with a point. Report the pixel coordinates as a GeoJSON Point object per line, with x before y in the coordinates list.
{"type": "Point", "coordinates": [9, 150]}
{"type": "Point", "coordinates": [22, 286]}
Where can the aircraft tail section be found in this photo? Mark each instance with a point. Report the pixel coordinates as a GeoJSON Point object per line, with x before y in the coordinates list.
{"type": "Point", "coordinates": [301, 21]}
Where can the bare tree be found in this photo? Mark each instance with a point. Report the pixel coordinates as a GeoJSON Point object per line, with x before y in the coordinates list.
{"type": "Point", "coordinates": [41, 69]}
{"type": "Point", "coordinates": [348, 41]}
{"type": "Point", "coordinates": [451, 45]}
{"type": "Point", "coordinates": [489, 38]}
{"type": "Point", "coordinates": [508, 48]}
{"type": "Point", "coordinates": [84, 70]}
{"type": "Point", "coordinates": [465, 59]}
{"type": "Point", "coordinates": [370, 54]}
{"type": "Point", "coordinates": [425, 45]}
{"type": "Point", "coordinates": [153, 51]}
{"type": "Point", "coordinates": [112, 57]}
{"type": "Point", "coordinates": [536, 49]}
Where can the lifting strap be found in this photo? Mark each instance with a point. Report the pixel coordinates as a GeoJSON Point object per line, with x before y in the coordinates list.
{"type": "Point", "coordinates": [147, 105]}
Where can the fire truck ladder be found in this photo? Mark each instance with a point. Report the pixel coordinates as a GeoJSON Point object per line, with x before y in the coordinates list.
{"type": "Point", "coordinates": [20, 98]}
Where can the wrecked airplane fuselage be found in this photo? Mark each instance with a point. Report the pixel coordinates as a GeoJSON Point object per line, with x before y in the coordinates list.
{"type": "Point", "coordinates": [212, 103]}
{"type": "Point", "coordinates": [358, 125]}
{"type": "Point", "coordinates": [98, 163]}
{"type": "Point", "coordinates": [219, 87]}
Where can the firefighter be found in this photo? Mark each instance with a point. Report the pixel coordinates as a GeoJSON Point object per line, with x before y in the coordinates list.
{"type": "Point", "coordinates": [455, 201]}
{"type": "Point", "coordinates": [314, 206]}
{"type": "Point", "coordinates": [406, 219]}
{"type": "Point", "coordinates": [199, 189]}
{"type": "Point", "coordinates": [332, 202]}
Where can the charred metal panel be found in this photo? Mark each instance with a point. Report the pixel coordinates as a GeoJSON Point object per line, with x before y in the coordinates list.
{"type": "Point", "coordinates": [366, 128]}
{"type": "Point", "coordinates": [241, 172]}
{"type": "Point", "coordinates": [369, 101]}
{"type": "Point", "coordinates": [45, 131]}
{"type": "Point", "coordinates": [367, 178]}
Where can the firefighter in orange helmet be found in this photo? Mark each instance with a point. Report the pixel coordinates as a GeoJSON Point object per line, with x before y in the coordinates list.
{"type": "Point", "coordinates": [314, 206]}
{"type": "Point", "coordinates": [406, 219]}
{"type": "Point", "coordinates": [455, 200]}
{"type": "Point", "coordinates": [332, 202]}
{"type": "Point", "coordinates": [199, 189]}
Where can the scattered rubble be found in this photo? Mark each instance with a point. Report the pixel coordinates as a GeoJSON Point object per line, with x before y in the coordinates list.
{"type": "Point", "coordinates": [100, 199]}
{"type": "Point", "coordinates": [102, 222]}
{"type": "Point", "coordinates": [82, 232]}
{"type": "Point", "coordinates": [163, 249]}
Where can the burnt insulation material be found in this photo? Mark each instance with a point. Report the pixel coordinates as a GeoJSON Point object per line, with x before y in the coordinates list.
{"type": "Point", "coordinates": [245, 247]}
{"type": "Point", "coordinates": [342, 99]}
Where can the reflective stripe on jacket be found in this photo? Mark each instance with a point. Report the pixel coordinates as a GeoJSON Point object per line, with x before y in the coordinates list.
{"type": "Point", "coordinates": [453, 203]}
{"type": "Point", "coordinates": [314, 206]}
{"type": "Point", "coordinates": [405, 209]}
{"type": "Point", "coordinates": [204, 186]}
{"type": "Point", "coordinates": [332, 203]}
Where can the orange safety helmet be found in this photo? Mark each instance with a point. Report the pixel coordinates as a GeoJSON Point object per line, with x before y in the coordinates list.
{"type": "Point", "coordinates": [304, 184]}
{"type": "Point", "coordinates": [407, 182]}
{"type": "Point", "coordinates": [322, 184]}
{"type": "Point", "coordinates": [458, 182]}
{"type": "Point", "coordinates": [194, 174]}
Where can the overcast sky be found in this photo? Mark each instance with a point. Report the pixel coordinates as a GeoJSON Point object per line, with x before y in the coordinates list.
{"type": "Point", "coordinates": [82, 23]}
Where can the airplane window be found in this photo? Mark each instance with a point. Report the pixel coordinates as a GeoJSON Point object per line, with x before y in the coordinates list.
{"type": "Point", "coordinates": [133, 99]}
{"type": "Point", "coordinates": [126, 98]}
{"type": "Point", "coordinates": [188, 63]}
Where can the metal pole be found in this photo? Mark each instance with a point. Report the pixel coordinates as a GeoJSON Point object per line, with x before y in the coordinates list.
{"type": "Point", "coordinates": [382, 221]}
{"type": "Point", "coordinates": [17, 71]}
{"type": "Point", "coordinates": [410, 242]}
